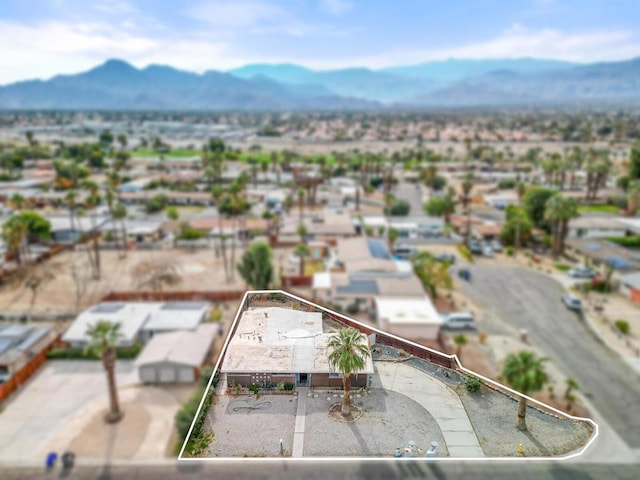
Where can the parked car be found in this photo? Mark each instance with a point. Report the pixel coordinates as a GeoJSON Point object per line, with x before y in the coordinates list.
{"type": "Point", "coordinates": [458, 321]}
{"type": "Point", "coordinates": [446, 257]}
{"type": "Point", "coordinates": [475, 247]}
{"type": "Point", "coordinates": [487, 251]}
{"type": "Point", "coordinates": [496, 246]}
{"type": "Point", "coordinates": [581, 273]}
{"type": "Point", "coordinates": [572, 302]}
{"type": "Point", "coordinates": [404, 251]}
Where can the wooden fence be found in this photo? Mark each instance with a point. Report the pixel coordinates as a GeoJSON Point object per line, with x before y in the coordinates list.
{"type": "Point", "coordinates": [175, 296]}
{"type": "Point", "coordinates": [22, 375]}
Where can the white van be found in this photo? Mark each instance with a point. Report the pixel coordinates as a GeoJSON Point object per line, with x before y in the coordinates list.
{"type": "Point", "coordinates": [459, 321]}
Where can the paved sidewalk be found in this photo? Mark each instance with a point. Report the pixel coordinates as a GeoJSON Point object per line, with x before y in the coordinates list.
{"type": "Point", "coordinates": [438, 399]}
{"type": "Point", "coordinates": [298, 433]}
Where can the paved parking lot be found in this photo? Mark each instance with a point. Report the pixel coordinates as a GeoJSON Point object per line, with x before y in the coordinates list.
{"type": "Point", "coordinates": [54, 404]}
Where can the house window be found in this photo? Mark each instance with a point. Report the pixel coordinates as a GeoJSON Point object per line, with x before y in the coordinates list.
{"type": "Point", "coordinates": [335, 375]}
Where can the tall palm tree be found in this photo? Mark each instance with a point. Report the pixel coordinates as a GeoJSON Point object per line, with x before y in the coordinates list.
{"type": "Point", "coordinates": [349, 351]}
{"type": "Point", "coordinates": [559, 211]}
{"type": "Point", "coordinates": [467, 187]}
{"type": "Point", "coordinates": [521, 189]}
{"type": "Point", "coordinates": [300, 204]}
{"type": "Point", "coordinates": [103, 337]}
{"type": "Point", "coordinates": [218, 194]}
{"type": "Point", "coordinates": [525, 373]}
{"type": "Point", "coordinates": [302, 251]}
{"type": "Point", "coordinates": [70, 198]}
{"type": "Point", "coordinates": [92, 202]}
{"type": "Point", "coordinates": [17, 202]}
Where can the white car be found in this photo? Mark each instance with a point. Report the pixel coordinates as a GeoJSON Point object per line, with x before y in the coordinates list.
{"type": "Point", "coordinates": [572, 302]}
{"type": "Point", "coordinates": [458, 321]}
{"type": "Point", "coordinates": [487, 251]}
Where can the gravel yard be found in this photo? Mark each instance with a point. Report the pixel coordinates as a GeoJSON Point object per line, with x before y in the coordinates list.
{"type": "Point", "coordinates": [390, 420]}
{"type": "Point", "coordinates": [494, 415]}
{"type": "Point", "coordinates": [244, 426]}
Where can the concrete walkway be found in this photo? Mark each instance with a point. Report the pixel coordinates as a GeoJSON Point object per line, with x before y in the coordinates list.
{"type": "Point", "coordinates": [298, 432]}
{"type": "Point", "coordinates": [438, 399]}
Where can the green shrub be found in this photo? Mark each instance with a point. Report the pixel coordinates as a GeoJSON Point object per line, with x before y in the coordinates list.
{"type": "Point", "coordinates": [623, 326]}
{"type": "Point", "coordinates": [628, 242]}
{"type": "Point", "coordinates": [472, 384]}
{"type": "Point", "coordinates": [288, 387]}
{"type": "Point", "coordinates": [254, 389]}
{"type": "Point", "coordinates": [199, 440]}
{"type": "Point", "coordinates": [71, 353]}
{"type": "Point", "coordinates": [353, 308]}
{"type": "Point", "coordinates": [510, 251]}
{"type": "Point", "coordinates": [506, 184]}
{"type": "Point", "coordinates": [563, 267]}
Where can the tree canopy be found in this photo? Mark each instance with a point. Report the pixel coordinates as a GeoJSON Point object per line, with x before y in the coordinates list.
{"type": "Point", "coordinates": [256, 267]}
{"type": "Point", "coordinates": [534, 202]}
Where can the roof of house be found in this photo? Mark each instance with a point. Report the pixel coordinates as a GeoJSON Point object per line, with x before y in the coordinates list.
{"type": "Point", "coordinates": [632, 224]}
{"type": "Point", "coordinates": [631, 279]}
{"type": "Point", "coordinates": [214, 223]}
{"type": "Point", "coordinates": [597, 222]}
{"type": "Point", "coordinates": [134, 317]}
{"type": "Point", "coordinates": [601, 250]}
{"type": "Point", "coordinates": [407, 310]}
{"type": "Point", "coordinates": [181, 347]}
{"type": "Point", "coordinates": [17, 339]}
{"type": "Point", "coordinates": [281, 340]}
{"type": "Point", "coordinates": [354, 285]}
{"type": "Point", "coordinates": [365, 254]}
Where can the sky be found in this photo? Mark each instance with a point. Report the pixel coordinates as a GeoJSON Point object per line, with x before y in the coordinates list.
{"type": "Point", "coordinates": [42, 38]}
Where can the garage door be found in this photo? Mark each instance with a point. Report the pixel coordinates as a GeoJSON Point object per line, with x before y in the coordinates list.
{"type": "Point", "coordinates": [185, 375]}
{"type": "Point", "coordinates": [167, 375]}
{"type": "Point", "coordinates": [148, 374]}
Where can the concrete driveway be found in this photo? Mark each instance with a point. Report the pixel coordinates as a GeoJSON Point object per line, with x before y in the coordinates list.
{"type": "Point", "coordinates": [531, 301]}
{"type": "Point", "coordinates": [54, 398]}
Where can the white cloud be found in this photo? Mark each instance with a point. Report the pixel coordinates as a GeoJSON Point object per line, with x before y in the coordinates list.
{"type": "Point", "coordinates": [516, 41]}
{"type": "Point", "coordinates": [237, 14]}
{"type": "Point", "coordinates": [336, 7]}
{"type": "Point", "coordinates": [115, 7]}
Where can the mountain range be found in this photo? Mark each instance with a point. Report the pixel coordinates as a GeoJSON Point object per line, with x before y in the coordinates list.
{"type": "Point", "coordinates": [451, 83]}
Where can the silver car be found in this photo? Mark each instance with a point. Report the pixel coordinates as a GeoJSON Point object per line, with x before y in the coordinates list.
{"type": "Point", "coordinates": [572, 302]}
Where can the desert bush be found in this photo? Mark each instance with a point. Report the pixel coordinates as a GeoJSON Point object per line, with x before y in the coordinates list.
{"type": "Point", "coordinates": [623, 326]}
{"type": "Point", "coordinates": [472, 384]}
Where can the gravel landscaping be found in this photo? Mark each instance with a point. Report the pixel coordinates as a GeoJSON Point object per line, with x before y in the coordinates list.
{"type": "Point", "coordinates": [244, 426]}
{"type": "Point", "coordinates": [493, 416]}
{"type": "Point", "coordinates": [389, 420]}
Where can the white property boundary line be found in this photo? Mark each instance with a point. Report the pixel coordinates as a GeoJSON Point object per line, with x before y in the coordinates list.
{"type": "Point", "coordinates": [376, 459]}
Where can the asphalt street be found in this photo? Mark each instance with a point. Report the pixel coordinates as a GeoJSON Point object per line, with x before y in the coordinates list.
{"type": "Point", "coordinates": [530, 300]}
{"type": "Point", "coordinates": [282, 470]}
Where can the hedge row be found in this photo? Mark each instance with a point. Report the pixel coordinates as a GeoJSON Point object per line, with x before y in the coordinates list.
{"type": "Point", "coordinates": [74, 353]}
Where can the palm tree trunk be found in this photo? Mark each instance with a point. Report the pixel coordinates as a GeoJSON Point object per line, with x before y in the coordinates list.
{"type": "Point", "coordinates": [108, 361]}
{"type": "Point", "coordinates": [346, 399]}
{"type": "Point", "coordinates": [234, 237]}
{"type": "Point", "coordinates": [522, 411]}
{"type": "Point", "coordinates": [96, 247]}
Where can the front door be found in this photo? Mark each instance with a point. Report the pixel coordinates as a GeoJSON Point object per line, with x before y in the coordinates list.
{"type": "Point", "coordinates": [302, 380]}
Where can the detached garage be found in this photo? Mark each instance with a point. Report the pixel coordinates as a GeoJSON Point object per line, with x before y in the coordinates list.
{"type": "Point", "coordinates": [176, 357]}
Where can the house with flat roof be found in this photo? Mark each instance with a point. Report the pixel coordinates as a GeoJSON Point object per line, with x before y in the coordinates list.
{"type": "Point", "coordinates": [412, 317]}
{"type": "Point", "coordinates": [591, 226]}
{"type": "Point", "coordinates": [275, 344]}
{"type": "Point", "coordinates": [139, 321]}
{"type": "Point", "coordinates": [630, 285]}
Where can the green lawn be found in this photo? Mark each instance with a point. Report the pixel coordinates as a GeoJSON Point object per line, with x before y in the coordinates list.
{"type": "Point", "coordinates": [599, 208]}
{"type": "Point", "coordinates": [563, 267]}
{"type": "Point", "coordinates": [174, 153]}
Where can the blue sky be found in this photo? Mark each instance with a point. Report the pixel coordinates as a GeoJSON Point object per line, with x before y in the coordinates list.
{"type": "Point", "coordinates": [40, 38]}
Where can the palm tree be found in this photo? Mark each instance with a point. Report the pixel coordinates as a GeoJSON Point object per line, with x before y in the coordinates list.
{"type": "Point", "coordinates": [302, 251]}
{"type": "Point", "coordinates": [71, 204]}
{"type": "Point", "coordinates": [120, 213]}
{"type": "Point", "coordinates": [392, 237]}
{"type": "Point", "coordinates": [218, 194]}
{"type": "Point", "coordinates": [91, 203]}
{"type": "Point", "coordinates": [467, 186]}
{"type": "Point", "coordinates": [558, 211]}
{"type": "Point", "coordinates": [521, 189]}
{"type": "Point", "coordinates": [302, 231]}
{"type": "Point", "coordinates": [300, 204]}
{"type": "Point", "coordinates": [103, 337]}
{"type": "Point", "coordinates": [525, 373]}
{"type": "Point", "coordinates": [349, 351]}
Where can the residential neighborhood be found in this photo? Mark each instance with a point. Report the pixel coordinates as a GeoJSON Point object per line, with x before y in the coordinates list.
{"type": "Point", "coordinates": [191, 307]}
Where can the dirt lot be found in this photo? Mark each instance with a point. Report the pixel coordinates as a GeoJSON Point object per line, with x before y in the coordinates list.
{"type": "Point", "coordinates": [200, 270]}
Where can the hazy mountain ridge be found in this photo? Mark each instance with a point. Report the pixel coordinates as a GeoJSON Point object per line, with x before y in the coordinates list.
{"type": "Point", "coordinates": [118, 85]}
